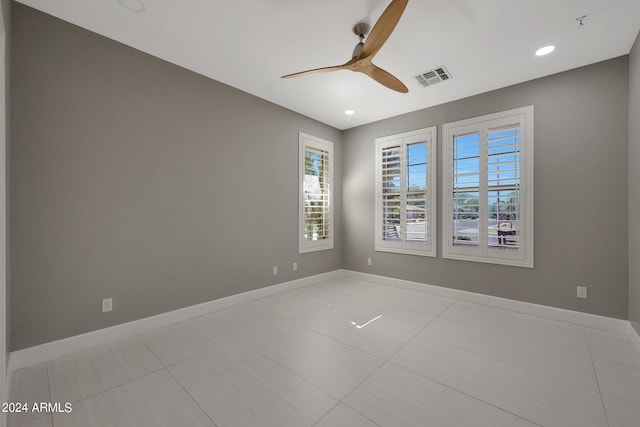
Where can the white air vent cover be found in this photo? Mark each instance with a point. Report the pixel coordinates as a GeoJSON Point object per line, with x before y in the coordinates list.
{"type": "Point", "coordinates": [431, 77]}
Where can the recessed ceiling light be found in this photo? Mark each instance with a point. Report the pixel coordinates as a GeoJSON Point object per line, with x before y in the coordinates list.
{"type": "Point", "coordinates": [349, 112]}
{"type": "Point", "coordinates": [133, 5]}
{"type": "Point", "coordinates": [545, 50]}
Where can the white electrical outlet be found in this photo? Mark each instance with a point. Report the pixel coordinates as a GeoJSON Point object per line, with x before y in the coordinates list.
{"type": "Point", "coordinates": [275, 270]}
{"type": "Point", "coordinates": [295, 266]}
{"type": "Point", "coordinates": [107, 304]}
{"type": "Point", "coordinates": [369, 261]}
{"type": "Point", "coordinates": [582, 292]}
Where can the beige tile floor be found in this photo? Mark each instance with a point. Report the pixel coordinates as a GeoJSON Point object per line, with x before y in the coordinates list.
{"type": "Point", "coordinates": [315, 356]}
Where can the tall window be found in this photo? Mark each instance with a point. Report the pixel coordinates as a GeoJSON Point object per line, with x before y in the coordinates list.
{"type": "Point", "coordinates": [405, 193]}
{"type": "Point", "coordinates": [316, 197]}
{"type": "Point", "coordinates": [488, 188]}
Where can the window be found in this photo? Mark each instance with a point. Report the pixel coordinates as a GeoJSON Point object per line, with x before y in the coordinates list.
{"type": "Point", "coordinates": [488, 188]}
{"type": "Point", "coordinates": [405, 193]}
{"type": "Point", "coordinates": [316, 197]}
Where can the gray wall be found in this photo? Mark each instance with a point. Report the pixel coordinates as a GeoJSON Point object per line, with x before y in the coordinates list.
{"type": "Point", "coordinates": [634, 185]}
{"type": "Point", "coordinates": [580, 193]}
{"type": "Point", "coordinates": [135, 179]}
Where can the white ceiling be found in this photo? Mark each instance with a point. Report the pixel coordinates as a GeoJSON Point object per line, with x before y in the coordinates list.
{"type": "Point", "coordinates": [249, 44]}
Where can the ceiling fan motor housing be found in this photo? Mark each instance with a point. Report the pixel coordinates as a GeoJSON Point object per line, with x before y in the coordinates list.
{"type": "Point", "coordinates": [361, 29]}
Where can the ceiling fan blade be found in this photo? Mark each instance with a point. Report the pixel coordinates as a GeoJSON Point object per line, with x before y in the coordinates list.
{"type": "Point", "coordinates": [383, 28]}
{"type": "Point", "coordinates": [385, 78]}
{"type": "Point", "coordinates": [315, 71]}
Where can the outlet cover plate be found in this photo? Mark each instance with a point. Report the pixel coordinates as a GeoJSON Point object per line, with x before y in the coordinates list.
{"type": "Point", "coordinates": [582, 292]}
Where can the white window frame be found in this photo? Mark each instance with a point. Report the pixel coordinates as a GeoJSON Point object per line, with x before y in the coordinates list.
{"type": "Point", "coordinates": [523, 256]}
{"type": "Point", "coordinates": [314, 143]}
{"type": "Point", "coordinates": [427, 135]}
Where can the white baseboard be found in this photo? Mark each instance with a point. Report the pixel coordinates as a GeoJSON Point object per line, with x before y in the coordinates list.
{"type": "Point", "coordinates": [54, 349]}
{"type": "Point", "coordinates": [546, 312]}
{"type": "Point", "coordinates": [633, 335]}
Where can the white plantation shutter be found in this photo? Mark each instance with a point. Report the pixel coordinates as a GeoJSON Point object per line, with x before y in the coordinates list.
{"type": "Point", "coordinates": [466, 189]}
{"type": "Point", "coordinates": [417, 187]}
{"type": "Point", "coordinates": [316, 182]}
{"type": "Point", "coordinates": [503, 186]}
{"type": "Point", "coordinates": [391, 193]}
{"type": "Point", "coordinates": [488, 188]}
{"type": "Point", "coordinates": [405, 193]}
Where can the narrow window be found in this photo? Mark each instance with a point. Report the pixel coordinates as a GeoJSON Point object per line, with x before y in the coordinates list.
{"type": "Point", "coordinates": [316, 185]}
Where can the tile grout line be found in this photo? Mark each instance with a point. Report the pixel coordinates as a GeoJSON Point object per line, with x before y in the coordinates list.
{"type": "Point", "coordinates": [153, 371]}
{"type": "Point", "coordinates": [254, 350]}
{"type": "Point", "coordinates": [513, 337]}
{"type": "Point", "coordinates": [478, 354]}
{"type": "Point", "coordinates": [526, 369]}
{"type": "Point", "coordinates": [150, 350]}
{"type": "Point", "coordinates": [327, 413]}
{"type": "Point", "coordinates": [191, 397]}
{"type": "Point", "coordinates": [465, 394]}
{"type": "Point", "coordinates": [338, 401]}
{"type": "Point", "coordinates": [595, 373]}
{"type": "Point", "coordinates": [446, 385]}
{"type": "Point", "coordinates": [119, 385]}
{"type": "Point", "coordinates": [615, 362]}
{"type": "Point", "coordinates": [42, 415]}
{"type": "Point", "coordinates": [483, 329]}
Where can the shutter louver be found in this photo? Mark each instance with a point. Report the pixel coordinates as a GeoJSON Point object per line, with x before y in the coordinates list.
{"type": "Point", "coordinates": [466, 189]}
{"type": "Point", "coordinates": [391, 189]}
{"type": "Point", "coordinates": [415, 212]}
{"type": "Point", "coordinates": [503, 187]}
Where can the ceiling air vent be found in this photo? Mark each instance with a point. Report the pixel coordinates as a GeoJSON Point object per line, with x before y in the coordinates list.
{"type": "Point", "coordinates": [431, 77]}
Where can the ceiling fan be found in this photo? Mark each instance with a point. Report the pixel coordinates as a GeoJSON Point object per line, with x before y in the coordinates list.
{"type": "Point", "coordinates": [365, 51]}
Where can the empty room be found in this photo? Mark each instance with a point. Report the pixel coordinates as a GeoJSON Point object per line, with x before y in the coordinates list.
{"type": "Point", "coordinates": [294, 213]}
